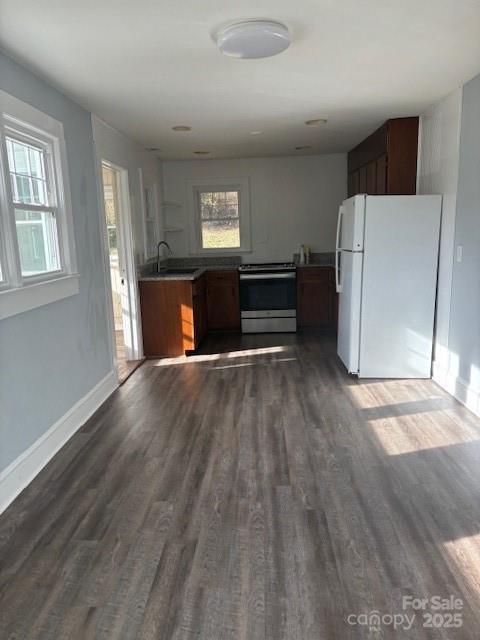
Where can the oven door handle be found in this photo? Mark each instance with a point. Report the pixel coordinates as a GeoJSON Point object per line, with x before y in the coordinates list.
{"type": "Point", "coordinates": [268, 276]}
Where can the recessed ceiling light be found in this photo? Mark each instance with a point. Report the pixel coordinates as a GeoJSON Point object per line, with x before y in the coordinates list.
{"type": "Point", "coordinates": [202, 153]}
{"type": "Point", "coordinates": [255, 133]}
{"type": "Point", "coordinates": [253, 39]}
{"type": "Point", "coordinates": [304, 146]}
{"type": "Point", "coordinates": [316, 122]}
{"type": "Point", "coordinates": [181, 127]}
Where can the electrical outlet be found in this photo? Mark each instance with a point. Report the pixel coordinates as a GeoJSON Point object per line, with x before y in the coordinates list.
{"type": "Point", "coordinates": [459, 252]}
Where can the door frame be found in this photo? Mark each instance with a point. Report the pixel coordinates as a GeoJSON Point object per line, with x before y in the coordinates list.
{"type": "Point", "coordinates": [134, 351]}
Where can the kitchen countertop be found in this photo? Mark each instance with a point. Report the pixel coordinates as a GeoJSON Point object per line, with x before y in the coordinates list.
{"type": "Point", "coordinates": [316, 265]}
{"type": "Point", "coordinates": [319, 260]}
{"type": "Point", "coordinates": [186, 276]}
{"type": "Point", "coordinates": [201, 270]}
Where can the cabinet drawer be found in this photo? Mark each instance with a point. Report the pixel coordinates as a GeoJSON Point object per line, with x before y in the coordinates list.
{"type": "Point", "coordinates": [315, 274]}
{"type": "Point", "coordinates": [227, 277]}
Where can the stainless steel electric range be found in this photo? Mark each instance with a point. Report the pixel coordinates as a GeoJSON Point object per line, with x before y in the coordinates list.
{"type": "Point", "coordinates": [268, 297]}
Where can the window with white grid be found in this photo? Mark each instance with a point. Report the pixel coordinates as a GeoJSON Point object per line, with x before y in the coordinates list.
{"type": "Point", "coordinates": [36, 237]}
{"type": "Point", "coordinates": [219, 216]}
{"type": "Point", "coordinates": [34, 205]}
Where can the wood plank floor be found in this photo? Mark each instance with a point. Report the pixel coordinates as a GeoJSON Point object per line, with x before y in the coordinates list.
{"type": "Point", "coordinates": [260, 493]}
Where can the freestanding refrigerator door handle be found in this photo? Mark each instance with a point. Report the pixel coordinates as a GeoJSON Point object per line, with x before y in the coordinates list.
{"type": "Point", "coordinates": [338, 286]}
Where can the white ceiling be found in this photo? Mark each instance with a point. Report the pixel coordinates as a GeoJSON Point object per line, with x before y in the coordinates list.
{"type": "Point", "coordinates": [144, 66]}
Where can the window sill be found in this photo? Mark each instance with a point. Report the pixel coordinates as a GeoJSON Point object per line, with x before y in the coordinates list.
{"type": "Point", "coordinates": [219, 252]}
{"type": "Point", "coordinates": [14, 301]}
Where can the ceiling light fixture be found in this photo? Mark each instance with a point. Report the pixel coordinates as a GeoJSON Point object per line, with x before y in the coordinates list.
{"type": "Point", "coordinates": [255, 133]}
{"type": "Point", "coordinates": [316, 122]}
{"type": "Point", "coordinates": [181, 127]}
{"type": "Point", "coordinates": [253, 39]}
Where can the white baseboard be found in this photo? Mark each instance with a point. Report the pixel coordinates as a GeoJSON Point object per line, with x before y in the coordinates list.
{"type": "Point", "coordinates": [458, 388]}
{"type": "Point", "coordinates": [23, 470]}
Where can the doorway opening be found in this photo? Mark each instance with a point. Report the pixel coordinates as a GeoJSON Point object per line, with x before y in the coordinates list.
{"type": "Point", "coordinates": [125, 354]}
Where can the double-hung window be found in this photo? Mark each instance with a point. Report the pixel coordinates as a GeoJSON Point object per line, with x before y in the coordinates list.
{"type": "Point", "coordinates": [220, 215]}
{"type": "Point", "coordinates": [37, 254]}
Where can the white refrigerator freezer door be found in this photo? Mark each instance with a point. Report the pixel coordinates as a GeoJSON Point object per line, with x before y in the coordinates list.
{"type": "Point", "coordinates": [399, 286]}
{"type": "Point", "coordinates": [349, 305]}
{"type": "Point", "coordinates": [352, 223]}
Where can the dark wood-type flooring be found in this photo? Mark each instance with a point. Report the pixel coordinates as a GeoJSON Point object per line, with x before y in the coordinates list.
{"type": "Point", "coordinates": [260, 493]}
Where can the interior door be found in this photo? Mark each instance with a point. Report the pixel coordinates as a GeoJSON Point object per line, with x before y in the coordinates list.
{"type": "Point", "coordinates": [117, 234]}
{"type": "Point", "coordinates": [348, 345]}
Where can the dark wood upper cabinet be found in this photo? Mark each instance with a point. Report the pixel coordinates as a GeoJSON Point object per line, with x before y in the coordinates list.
{"type": "Point", "coordinates": [362, 179]}
{"type": "Point", "coordinates": [371, 177]}
{"type": "Point", "coordinates": [223, 303]}
{"type": "Point", "coordinates": [402, 153]}
{"type": "Point", "coordinates": [381, 175]}
{"type": "Point", "coordinates": [386, 161]}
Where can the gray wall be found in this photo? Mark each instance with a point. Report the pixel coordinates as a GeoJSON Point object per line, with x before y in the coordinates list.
{"type": "Point", "coordinates": [439, 144]}
{"type": "Point", "coordinates": [464, 338]}
{"type": "Point", "coordinates": [293, 200]}
{"type": "Point", "coordinates": [52, 356]}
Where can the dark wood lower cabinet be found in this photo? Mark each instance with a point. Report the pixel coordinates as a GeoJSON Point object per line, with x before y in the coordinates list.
{"type": "Point", "coordinates": [174, 316]}
{"type": "Point", "coordinates": [177, 314]}
{"type": "Point", "coordinates": [316, 297]}
{"type": "Point", "coordinates": [223, 303]}
{"type": "Point", "coordinates": [199, 298]}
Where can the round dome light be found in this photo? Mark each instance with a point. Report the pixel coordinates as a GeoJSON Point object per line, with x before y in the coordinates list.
{"type": "Point", "coordinates": [253, 39]}
{"type": "Point", "coordinates": [316, 122]}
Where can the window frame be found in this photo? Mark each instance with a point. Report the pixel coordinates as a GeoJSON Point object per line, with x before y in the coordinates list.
{"type": "Point", "coordinates": [18, 292]}
{"type": "Point", "coordinates": [242, 186]}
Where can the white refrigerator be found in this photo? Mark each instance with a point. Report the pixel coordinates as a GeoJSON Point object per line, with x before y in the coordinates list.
{"type": "Point", "coordinates": [386, 276]}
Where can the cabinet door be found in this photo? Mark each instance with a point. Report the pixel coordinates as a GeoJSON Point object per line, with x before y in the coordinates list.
{"type": "Point", "coordinates": [381, 175]}
{"type": "Point", "coordinates": [356, 182]}
{"type": "Point", "coordinates": [223, 305]}
{"type": "Point", "coordinates": [362, 180]}
{"type": "Point", "coordinates": [372, 178]}
{"type": "Point", "coordinates": [315, 297]}
{"type": "Point", "coordinates": [199, 310]}
{"type": "Point", "coordinates": [402, 156]}
{"type": "Point", "coordinates": [167, 317]}
{"type": "Point", "coordinates": [350, 185]}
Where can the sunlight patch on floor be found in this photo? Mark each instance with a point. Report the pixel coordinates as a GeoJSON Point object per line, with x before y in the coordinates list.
{"type": "Point", "coordinates": [407, 426]}
{"type": "Point", "coordinates": [399, 436]}
{"type": "Point", "coordinates": [253, 364]}
{"type": "Point", "coordinates": [364, 396]}
{"type": "Point", "coordinates": [209, 357]}
{"type": "Point", "coordinates": [464, 553]}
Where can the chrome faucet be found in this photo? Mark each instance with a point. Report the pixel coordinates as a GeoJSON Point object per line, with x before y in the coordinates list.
{"type": "Point", "coordinates": [170, 252]}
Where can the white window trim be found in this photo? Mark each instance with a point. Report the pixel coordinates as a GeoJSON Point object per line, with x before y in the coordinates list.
{"type": "Point", "coordinates": [242, 185]}
{"type": "Point", "coordinates": [17, 293]}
